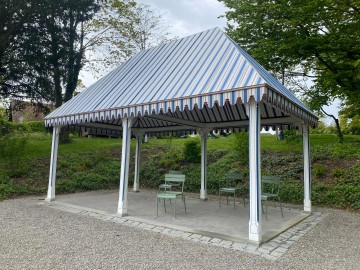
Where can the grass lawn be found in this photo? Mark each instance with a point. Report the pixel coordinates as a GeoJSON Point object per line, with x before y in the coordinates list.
{"type": "Point", "coordinates": [39, 145]}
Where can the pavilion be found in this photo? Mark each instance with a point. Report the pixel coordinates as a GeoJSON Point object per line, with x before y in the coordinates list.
{"type": "Point", "coordinates": [198, 83]}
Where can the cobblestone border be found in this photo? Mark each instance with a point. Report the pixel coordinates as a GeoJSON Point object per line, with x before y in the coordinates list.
{"type": "Point", "coordinates": [271, 250]}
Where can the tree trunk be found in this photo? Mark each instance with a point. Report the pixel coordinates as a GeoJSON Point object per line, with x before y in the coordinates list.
{"type": "Point", "coordinates": [338, 129]}
{"type": "Point", "coordinates": [64, 135]}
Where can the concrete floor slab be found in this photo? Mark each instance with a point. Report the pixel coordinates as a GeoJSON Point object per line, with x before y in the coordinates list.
{"type": "Point", "coordinates": [203, 217]}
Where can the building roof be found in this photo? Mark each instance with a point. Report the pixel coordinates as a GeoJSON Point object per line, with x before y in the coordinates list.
{"type": "Point", "coordinates": [207, 71]}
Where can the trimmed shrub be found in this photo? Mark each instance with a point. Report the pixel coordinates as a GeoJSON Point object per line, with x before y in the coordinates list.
{"type": "Point", "coordinates": [241, 146]}
{"type": "Point", "coordinates": [192, 150]}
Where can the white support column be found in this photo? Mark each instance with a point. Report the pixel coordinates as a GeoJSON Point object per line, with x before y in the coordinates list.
{"type": "Point", "coordinates": [53, 162]}
{"type": "Point", "coordinates": [307, 174]}
{"type": "Point", "coordinates": [254, 171]}
{"type": "Point", "coordinates": [124, 171]}
{"type": "Point", "coordinates": [203, 190]}
{"type": "Point", "coordinates": [137, 161]}
{"type": "Point", "coordinates": [145, 138]}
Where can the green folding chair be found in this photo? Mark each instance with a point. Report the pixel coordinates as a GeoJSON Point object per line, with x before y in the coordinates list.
{"type": "Point", "coordinates": [231, 186]}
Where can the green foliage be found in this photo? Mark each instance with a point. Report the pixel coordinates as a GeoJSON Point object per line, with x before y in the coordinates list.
{"type": "Point", "coordinates": [12, 153]}
{"type": "Point", "coordinates": [309, 38]}
{"type": "Point", "coordinates": [292, 191]}
{"type": "Point", "coordinates": [286, 165]}
{"type": "Point", "coordinates": [151, 172]}
{"type": "Point", "coordinates": [34, 126]}
{"type": "Point", "coordinates": [322, 128]}
{"type": "Point", "coordinates": [5, 127]}
{"type": "Point", "coordinates": [192, 150]}
{"type": "Point", "coordinates": [319, 170]}
{"type": "Point", "coordinates": [49, 36]}
{"type": "Point", "coordinates": [338, 172]}
{"type": "Point", "coordinates": [90, 164]}
{"type": "Point", "coordinates": [241, 146]}
{"type": "Point", "coordinates": [351, 126]}
{"type": "Point", "coordinates": [291, 136]}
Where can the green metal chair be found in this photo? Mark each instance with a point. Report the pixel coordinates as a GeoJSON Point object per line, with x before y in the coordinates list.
{"type": "Point", "coordinates": [270, 188]}
{"type": "Point", "coordinates": [232, 185]}
{"type": "Point", "coordinates": [172, 194]}
{"type": "Point", "coordinates": [169, 185]}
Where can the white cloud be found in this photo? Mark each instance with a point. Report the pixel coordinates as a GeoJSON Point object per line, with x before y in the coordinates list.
{"type": "Point", "coordinates": [187, 17]}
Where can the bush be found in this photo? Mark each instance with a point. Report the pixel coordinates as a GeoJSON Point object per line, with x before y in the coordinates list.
{"type": "Point", "coordinates": [5, 127]}
{"type": "Point", "coordinates": [319, 170]}
{"type": "Point", "coordinates": [34, 126]}
{"type": "Point", "coordinates": [241, 146]}
{"type": "Point", "coordinates": [192, 150]}
{"type": "Point", "coordinates": [13, 149]}
{"type": "Point", "coordinates": [338, 172]}
{"type": "Point", "coordinates": [290, 136]}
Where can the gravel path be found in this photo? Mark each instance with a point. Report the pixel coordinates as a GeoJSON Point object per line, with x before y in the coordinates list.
{"type": "Point", "coordinates": [33, 236]}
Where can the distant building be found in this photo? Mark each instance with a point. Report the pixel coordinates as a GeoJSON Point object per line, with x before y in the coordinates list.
{"type": "Point", "coordinates": [28, 111]}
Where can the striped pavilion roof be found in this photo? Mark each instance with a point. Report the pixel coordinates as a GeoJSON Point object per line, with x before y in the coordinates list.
{"type": "Point", "coordinates": [184, 79]}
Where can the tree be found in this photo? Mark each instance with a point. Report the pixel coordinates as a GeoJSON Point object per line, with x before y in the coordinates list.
{"type": "Point", "coordinates": [42, 52]}
{"type": "Point", "coordinates": [21, 75]}
{"type": "Point", "coordinates": [63, 23]}
{"type": "Point", "coordinates": [122, 29]}
{"type": "Point", "coordinates": [318, 39]}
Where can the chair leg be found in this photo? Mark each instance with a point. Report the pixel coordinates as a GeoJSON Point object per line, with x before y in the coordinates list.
{"type": "Point", "coordinates": [184, 202]}
{"type": "Point", "coordinates": [157, 206]}
{"type": "Point", "coordinates": [243, 197]}
{"type": "Point", "coordinates": [175, 208]}
{"type": "Point", "coordinates": [219, 199]}
{"type": "Point", "coordinates": [234, 200]}
{"type": "Point", "coordinates": [266, 210]}
{"type": "Point", "coordinates": [164, 205]}
{"type": "Point", "coordinates": [282, 214]}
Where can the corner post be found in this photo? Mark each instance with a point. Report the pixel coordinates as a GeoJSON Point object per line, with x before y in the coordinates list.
{"type": "Point", "coordinates": [124, 171]}
{"type": "Point", "coordinates": [53, 163]}
{"type": "Point", "coordinates": [203, 190]}
{"type": "Point", "coordinates": [137, 161]}
{"type": "Point", "coordinates": [307, 172]}
{"type": "Point", "coordinates": [255, 224]}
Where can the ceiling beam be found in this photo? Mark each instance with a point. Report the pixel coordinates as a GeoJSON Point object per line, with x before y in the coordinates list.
{"type": "Point", "coordinates": [99, 125]}
{"type": "Point", "coordinates": [176, 120]}
{"type": "Point", "coordinates": [188, 125]}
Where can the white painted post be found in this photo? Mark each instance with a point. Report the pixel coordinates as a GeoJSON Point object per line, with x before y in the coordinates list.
{"type": "Point", "coordinates": [137, 161]}
{"type": "Point", "coordinates": [203, 190]}
{"type": "Point", "coordinates": [307, 174]}
{"type": "Point", "coordinates": [145, 138]}
{"type": "Point", "coordinates": [254, 171]}
{"type": "Point", "coordinates": [53, 162]}
{"type": "Point", "coordinates": [124, 171]}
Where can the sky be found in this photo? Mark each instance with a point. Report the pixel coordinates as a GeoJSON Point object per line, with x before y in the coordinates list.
{"type": "Point", "coordinates": [187, 17]}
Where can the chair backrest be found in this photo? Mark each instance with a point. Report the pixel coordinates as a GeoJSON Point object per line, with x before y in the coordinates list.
{"type": "Point", "coordinates": [273, 181]}
{"type": "Point", "coordinates": [237, 176]}
{"type": "Point", "coordinates": [234, 179]}
{"type": "Point", "coordinates": [174, 172]}
{"type": "Point", "coordinates": [176, 178]}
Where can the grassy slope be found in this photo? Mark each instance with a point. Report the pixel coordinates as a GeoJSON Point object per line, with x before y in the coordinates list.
{"type": "Point", "coordinates": [88, 164]}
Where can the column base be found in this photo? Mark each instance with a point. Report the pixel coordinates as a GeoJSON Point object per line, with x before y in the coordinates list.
{"type": "Point", "coordinates": [123, 214]}
{"type": "Point", "coordinates": [49, 199]}
{"type": "Point", "coordinates": [255, 232]}
{"type": "Point", "coordinates": [136, 188]}
{"type": "Point", "coordinates": [307, 206]}
{"type": "Point", "coordinates": [256, 237]}
{"type": "Point", "coordinates": [203, 195]}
